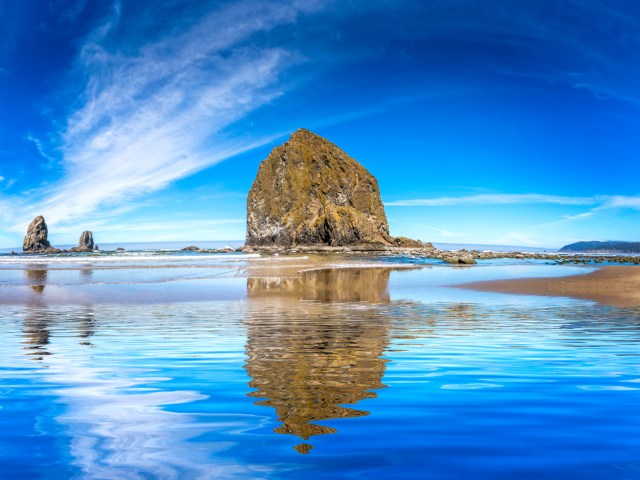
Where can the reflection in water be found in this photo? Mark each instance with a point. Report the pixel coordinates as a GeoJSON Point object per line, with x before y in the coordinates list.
{"type": "Point", "coordinates": [118, 425]}
{"type": "Point", "coordinates": [86, 326]}
{"type": "Point", "coordinates": [37, 329]}
{"type": "Point", "coordinates": [37, 321]}
{"type": "Point", "coordinates": [37, 279]}
{"type": "Point", "coordinates": [87, 273]}
{"type": "Point", "coordinates": [36, 332]}
{"type": "Point", "coordinates": [327, 285]}
{"type": "Point", "coordinates": [307, 359]}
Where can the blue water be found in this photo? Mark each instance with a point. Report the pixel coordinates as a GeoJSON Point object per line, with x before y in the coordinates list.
{"type": "Point", "coordinates": [231, 367]}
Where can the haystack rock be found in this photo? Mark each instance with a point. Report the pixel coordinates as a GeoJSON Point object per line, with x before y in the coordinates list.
{"type": "Point", "coordinates": [309, 192]}
{"type": "Point", "coordinates": [35, 241]}
{"type": "Point", "coordinates": [85, 244]}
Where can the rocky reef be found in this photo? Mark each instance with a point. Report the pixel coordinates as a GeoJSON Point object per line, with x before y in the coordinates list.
{"type": "Point", "coordinates": [226, 249]}
{"type": "Point", "coordinates": [309, 192]}
{"type": "Point", "coordinates": [455, 257]}
{"type": "Point", "coordinates": [35, 241]}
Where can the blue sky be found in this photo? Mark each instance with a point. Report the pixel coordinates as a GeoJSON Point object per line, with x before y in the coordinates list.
{"type": "Point", "coordinates": [484, 121]}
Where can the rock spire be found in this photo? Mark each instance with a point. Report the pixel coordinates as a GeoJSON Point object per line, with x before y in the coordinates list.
{"type": "Point", "coordinates": [85, 244]}
{"type": "Point", "coordinates": [35, 241]}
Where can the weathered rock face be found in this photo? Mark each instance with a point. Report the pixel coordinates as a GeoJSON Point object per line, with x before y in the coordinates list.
{"type": "Point", "coordinates": [35, 241]}
{"type": "Point", "coordinates": [309, 192]}
{"type": "Point", "coordinates": [85, 244]}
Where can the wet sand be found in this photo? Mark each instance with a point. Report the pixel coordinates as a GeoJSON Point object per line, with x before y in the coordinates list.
{"type": "Point", "coordinates": [617, 286]}
{"type": "Point", "coordinates": [312, 277]}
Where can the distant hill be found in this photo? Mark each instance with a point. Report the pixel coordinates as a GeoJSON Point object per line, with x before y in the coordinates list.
{"type": "Point", "coordinates": [603, 247]}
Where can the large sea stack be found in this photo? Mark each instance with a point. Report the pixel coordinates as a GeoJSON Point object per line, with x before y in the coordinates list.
{"type": "Point", "coordinates": [35, 241]}
{"type": "Point", "coordinates": [309, 192]}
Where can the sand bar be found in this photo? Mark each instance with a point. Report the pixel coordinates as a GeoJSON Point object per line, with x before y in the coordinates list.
{"type": "Point", "coordinates": [616, 285]}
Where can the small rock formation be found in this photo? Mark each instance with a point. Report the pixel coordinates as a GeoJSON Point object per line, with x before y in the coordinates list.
{"type": "Point", "coordinates": [193, 248]}
{"type": "Point", "coordinates": [457, 257]}
{"type": "Point", "coordinates": [35, 241]}
{"type": "Point", "coordinates": [85, 244]}
{"type": "Point", "coordinates": [405, 242]}
{"type": "Point", "coordinates": [309, 192]}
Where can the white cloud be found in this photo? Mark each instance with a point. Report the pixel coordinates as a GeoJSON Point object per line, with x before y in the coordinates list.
{"type": "Point", "coordinates": [620, 201]}
{"type": "Point", "coordinates": [41, 150]}
{"type": "Point", "coordinates": [150, 118]}
{"type": "Point", "coordinates": [131, 429]}
{"type": "Point", "coordinates": [602, 201]}
{"type": "Point", "coordinates": [441, 231]}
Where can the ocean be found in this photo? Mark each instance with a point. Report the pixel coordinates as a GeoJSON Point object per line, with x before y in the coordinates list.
{"type": "Point", "coordinates": [212, 244]}
{"type": "Point", "coordinates": [177, 365]}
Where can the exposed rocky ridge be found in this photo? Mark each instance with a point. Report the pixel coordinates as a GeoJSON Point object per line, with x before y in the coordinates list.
{"type": "Point", "coordinates": [456, 257]}
{"type": "Point", "coordinates": [227, 249]}
{"type": "Point", "coordinates": [309, 192]}
{"type": "Point", "coordinates": [35, 241]}
{"type": "Point", "coordinates": [85, 244]}
{"type": "Point", "coordinates": [426, 251]}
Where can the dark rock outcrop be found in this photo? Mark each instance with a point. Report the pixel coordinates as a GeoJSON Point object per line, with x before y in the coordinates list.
{"type": "Point", "coordinates": [404, 242]}
{"type": "Point", "coordinates": [85, 244]}
{"type": "Point", "coordinates": [193, 248]}
{"type": "Point", "coordinates": [309, 192]}
{"type": "Point", "coordinates": [457, 257]}
{"type": "Point", "coordinates": [35, 241]}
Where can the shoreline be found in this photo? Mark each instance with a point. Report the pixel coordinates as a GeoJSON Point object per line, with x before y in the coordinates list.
{"type": "Point", "coordinates": [455, 257]}
{"type": "Point", "coordinates": [617, 286]}
{"type": "Point", "coordinates": [450, 256]}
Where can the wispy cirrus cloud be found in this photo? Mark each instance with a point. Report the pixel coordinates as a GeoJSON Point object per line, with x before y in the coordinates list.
{"type": "Point", "coordinates": [599, 201]}
{"type": "Point", "coordinates": [441, 231]}
{"type": "Point", "coordinates": [157, 114]}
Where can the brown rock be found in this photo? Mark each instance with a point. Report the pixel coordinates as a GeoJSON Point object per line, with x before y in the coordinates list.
{"type": "Point", "coordinates": [405, 242]}
{"type": "Point", "coordinates": [35, 241]}
{"type": "Point", "coordinates": [309, 192]}
{"type": "Point", "coordinates": [85, 244]}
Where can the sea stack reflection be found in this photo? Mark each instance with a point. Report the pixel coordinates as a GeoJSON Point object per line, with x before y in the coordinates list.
{"type": "Point", "coordinates": [309, 358]}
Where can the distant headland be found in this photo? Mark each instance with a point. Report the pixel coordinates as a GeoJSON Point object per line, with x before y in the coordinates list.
{"type": "Point", "coordinates": [602, 247]}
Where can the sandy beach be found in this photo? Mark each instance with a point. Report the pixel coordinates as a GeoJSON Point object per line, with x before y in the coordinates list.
{"type": "Point", "coordinates": [616, 285]}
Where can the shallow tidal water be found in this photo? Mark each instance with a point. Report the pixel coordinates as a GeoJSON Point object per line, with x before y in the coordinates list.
{"type": "Point", "coordinates": [228, 367]}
